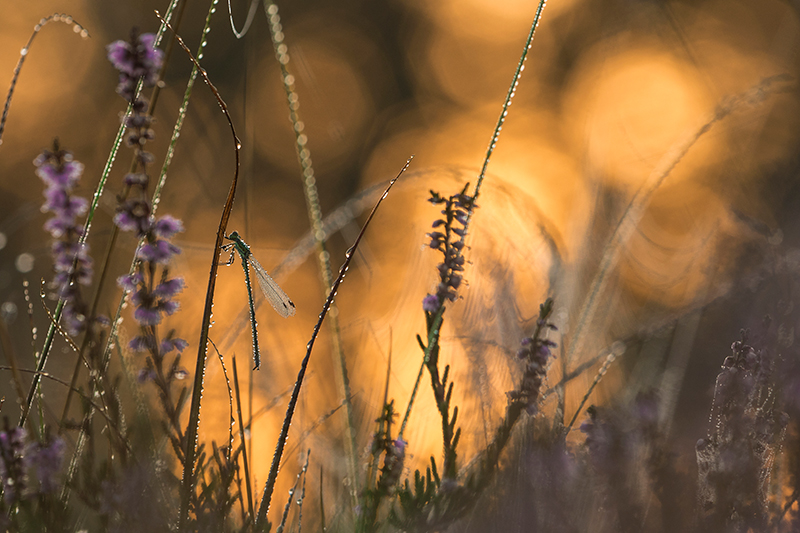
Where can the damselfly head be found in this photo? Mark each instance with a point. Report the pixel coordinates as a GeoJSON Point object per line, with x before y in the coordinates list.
{"type": "Point", "coordinates": [233, 236]}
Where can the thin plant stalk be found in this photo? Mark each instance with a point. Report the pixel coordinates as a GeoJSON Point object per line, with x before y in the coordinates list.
{"type": "Point", "coordinates": [288, 506]}
{"type": "Point", "coordinates": [49, 337]}
{"type": "Point", "coordinates": [287, 421]}
{"type": "Point", "coordinates": [638, 204]}
{"type": "Point", "coordinates": [188, 480]}
{"type": "Point", "coordinates": [512, 90]}
{"type": "Point", "coordinates": [245, 462]}
{"type": "Point", "coordinates": [176, 130]}
{"type": "Point", "coordinates": [433, 340]}
{"type": "Point", "coordinates": [433, 336]}
{"type": "Point", "coordinates": [323, 257]}
{"type": "Point", "coordinates": [55, 17]}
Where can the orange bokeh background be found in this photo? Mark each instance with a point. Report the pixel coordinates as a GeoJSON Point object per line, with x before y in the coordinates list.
{"type": "Point", "coordinates": [608, 91]}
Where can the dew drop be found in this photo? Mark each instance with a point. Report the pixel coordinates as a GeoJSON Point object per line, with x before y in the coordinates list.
{"type": "Point", "coordinates": [24, 262]}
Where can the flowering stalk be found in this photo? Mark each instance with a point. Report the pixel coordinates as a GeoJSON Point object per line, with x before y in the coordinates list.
{"type": "Point", "coordinates": [150, 285]}
{"type": "Point", "coordinates": [137, 61]}
{"type": "Point", "coordinates": [535, 352]}
{"type": "Point", "coordinates": [72, 264]}
{"type": "Point", "coordinates": [736, 458]}
{"type": "Point", "coordinates": [29, 481]}
{"type": "Point", "coordinates": [71, 261]}
{"type": "Point", "coordinates": [393, 451]}
{"type": "Point", "coordinates": [451, 244]}
{"type": "Point", "coordinates": [448, 238]}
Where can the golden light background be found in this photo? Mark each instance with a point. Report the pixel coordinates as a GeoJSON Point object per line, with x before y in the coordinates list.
{"type": "Point", "coordinates": [610, 88]}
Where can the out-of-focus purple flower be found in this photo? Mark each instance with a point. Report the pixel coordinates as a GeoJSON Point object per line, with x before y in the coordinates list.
{"type": "Point", "coordinates": [147, 316]}
{"type": "Point", "coordinates": [168, 307]}
{"type": "Point", "coordinates": [130, 282]}
{"type": "Point", "coordinates": [142, 343]}
{"type": "Point", "coordinates": [151, 305]}
{"type": "Point", "coordinates": [71, 260]}
{"type": "Point", "coordinates": [136, 178]}
{"type": "Point", "coordinates": [145, 374]}
{"type": "Point", "coordinates": [168, 288]}
{"type": "Point", "coordinates": [170, 344]}
{"type": "Point", "coordinates": [159, 251]}
{"type": "Point", "coordinates": [57, 168]}
{"type": "Point", "coordinates": [134, 59]}
{"type": "Point", "coordinates": [72, 318]}
{"type": "Point", "coordinates": [167, 226]}
{"type": "Point", "coordinates": [133, 215]}
{"type": "Point", "coordinates": [535, 351]}
{"type": "Point", "coordinates": [430, 303]}
{"type": "Point", "coordinates": [13, 463]}
{"type": "Point", "coordinates": [47, 459]}
{"type": "Point", "coordinates": [392, 464]}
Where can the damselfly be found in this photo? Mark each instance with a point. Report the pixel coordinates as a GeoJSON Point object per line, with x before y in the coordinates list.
{"type": "Point", "coordinates": [272, 292]}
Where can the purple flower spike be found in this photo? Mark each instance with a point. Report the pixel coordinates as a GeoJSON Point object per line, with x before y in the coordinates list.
{"type": "Point", "coordinates": [141, 343]}
{"type": "Point", "coordinates": [168, 345]}
{"type": "Point", "coordinates": [450, 241]}
{"type": "Point", "coordinates": [535, 351]}
{"type": "Point", "coordinates": [130, 282]}
{"type": "Point", "coordinates": [48, 459]}
{"type": "Point", "coordinates": [71, 260]}
{"type": "Point", "coordinates": [13, 464]}
{"type": "Point", "coordinates": [119, 53]}
{"type": "Point", "coordinates": [430, 303]}
{"type": "Point", "coordinates": [147, 316]}
{"type": "Point", "coordinates": [167, 226]}
{"type": "Point", "coordinates": [168, 306]}
{"type": "Point", "coordinates": [137, 58]}
{"type": "Point", "coordinates": [168, 288]}
{"type": "Point", "coordinates": [158, 252]}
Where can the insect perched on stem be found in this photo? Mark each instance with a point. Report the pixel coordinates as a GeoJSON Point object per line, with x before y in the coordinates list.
{"type": "Point", "coordinates": [272, 292]}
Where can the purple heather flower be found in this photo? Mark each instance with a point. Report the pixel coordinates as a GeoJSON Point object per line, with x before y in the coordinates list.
{"type": "Point", "coordinates": [168, 345]}
{"type": "Point", "coordinates": [145, 374]}
{"type": "Point", "coordinates": [137, 58]}
{"type": "Point", "coordinates": [73, 320]}
{"type": "Point", "coordinates": [141, 343]}
{"type": "Point", "coordinates": [147, 316]}
{"type": "Point", "coordinates": [130, 282]}
{"type": "Point", "coordinates": [133, 215]}
{"type": "Point", "coordinates": [450, 241]}
{"type": "Point", "coordinates": [48, 459]}
{"type": "Point", "coordinates": [13, 463]}
{"type": "Point", "coordinates": [168, 288]}
{"type": "Point", "coordinates": [167, 226]}
{"type": "Point", "coordinates": [393, 464]}
{"type": "Point", "coordinates": [535, 351]}
{"type": "Point", "coordinates": [71, 260]}
{"type": "Point", "coordinates": [168, 306]}
{"type": "Point", "coordinates": [136, 178]}
{"type": "Point", "coordinates": [159, 251]}
{"type": "Point", "coordinates": [430, 303]}
{"type": "Point", "coordinates": [55, 173]}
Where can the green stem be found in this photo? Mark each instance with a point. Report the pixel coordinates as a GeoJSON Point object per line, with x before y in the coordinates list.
{"type": "Point", "coordinates": [433, 340]}
{"type": "Point", "coordinates": [323, 257]}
